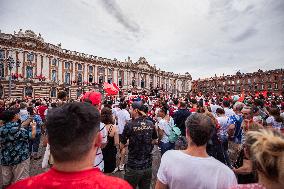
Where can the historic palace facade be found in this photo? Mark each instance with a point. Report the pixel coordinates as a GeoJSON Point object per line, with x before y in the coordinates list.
{"type": "Point", "coordinates": [271, 81]}
{"type": "Point", "coordinates": [41, 69]}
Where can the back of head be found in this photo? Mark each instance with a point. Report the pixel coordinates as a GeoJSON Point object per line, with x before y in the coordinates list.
{"type": "Point", "coordinates": [276, 114]}
{"type": "Point", "coordinates": [267, 153]}
{"type": "Point", "coordinates": [182, 104]}
{"type": "Point", "coordinates": [220, 111]}
{"type": "Point", "coordinates": [106, 116]}
{"type": "Point", "coordinates": [200, 128]}
{"type": "Point", "coordinates": [71, 130]}
{"type": "Point", "coordinates": [226, 103]}
{"type": "Point", "coordinates": [62, 95]}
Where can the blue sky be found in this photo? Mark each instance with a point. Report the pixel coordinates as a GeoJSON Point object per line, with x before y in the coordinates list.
{"type": "Point", "coordinates": [202, 37]}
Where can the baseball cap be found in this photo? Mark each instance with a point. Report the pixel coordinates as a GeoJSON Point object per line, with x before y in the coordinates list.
{"type": "Point", "coordinates": [94, 97]}
{"type": "Point", "coordinates": [139, 106]}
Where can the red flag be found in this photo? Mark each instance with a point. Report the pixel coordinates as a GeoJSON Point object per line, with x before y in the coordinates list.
{"type": "Point", "coordinates": [117, 88]}
{"type": "Point", "coordinates": [264, 93]}
{"type": "Point", "coordinates": [110, 89]}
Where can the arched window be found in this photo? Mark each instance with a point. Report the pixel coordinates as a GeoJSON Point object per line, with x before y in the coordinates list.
{"type": "Point", "coordinates": [91, 69]}
{"type": "Point", "coordinates": [80, 67]}
{"type": "Point", "coordinates": [67, 65]}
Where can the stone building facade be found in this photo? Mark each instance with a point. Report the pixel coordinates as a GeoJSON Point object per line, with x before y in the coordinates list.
{"type": "Point", "coordinates": [42, 69]}
{"type": "Point", "coordinates": [271, 81]}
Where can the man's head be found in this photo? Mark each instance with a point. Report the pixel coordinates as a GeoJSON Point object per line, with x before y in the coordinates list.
{"type": "Point", "coordinates": [199, 129]}
{"type": "Point", "coordinates": [137, 110]}
{"type": "Point", "coordinates": [182, 105]}
{"type": "Point", "coordinates": [10, 115]}
{"type": "Point", "coordinates": [226, 104]}
{"type": "Point", "coordinates": [247, 113]}
{"type": "Point", "coordinates": [62, 95]}
{"type": "Point", "coordinates": [73, 131]}
{"type": "Point", "coordinates": [95, 98]}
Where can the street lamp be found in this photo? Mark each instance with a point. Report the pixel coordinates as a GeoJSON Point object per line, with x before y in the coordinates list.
{"type": "Point", "coordinates": [11, 64]}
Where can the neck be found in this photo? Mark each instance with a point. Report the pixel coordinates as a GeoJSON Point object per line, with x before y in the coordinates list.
{"type": "Point", "coordinates": [197, 151]}
{"type": "Point", "coordinates": [268, 184]}
{"type": "Point", "coordinates": [73, 166]}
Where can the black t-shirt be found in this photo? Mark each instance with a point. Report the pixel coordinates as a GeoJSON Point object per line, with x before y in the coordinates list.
{"type": "Point", "coordinates": [140, 132]}
{"type": "Point", "coordinates": [180, 117]}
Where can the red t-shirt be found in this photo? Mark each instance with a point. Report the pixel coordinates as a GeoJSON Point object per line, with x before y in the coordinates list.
{"type": "Point", "coordinates": [87, 179]}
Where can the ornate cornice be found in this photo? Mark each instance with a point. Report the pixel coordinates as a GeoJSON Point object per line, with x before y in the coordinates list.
{"type": "Point", "coordinates": [29, 41]}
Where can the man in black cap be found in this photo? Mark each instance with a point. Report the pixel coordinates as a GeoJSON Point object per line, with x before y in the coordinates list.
{"type": "Point", "coordinates": [142, 135]}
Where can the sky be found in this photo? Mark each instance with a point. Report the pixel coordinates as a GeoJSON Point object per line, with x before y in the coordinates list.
{"type": "Point", "coordinates": [202, 37]}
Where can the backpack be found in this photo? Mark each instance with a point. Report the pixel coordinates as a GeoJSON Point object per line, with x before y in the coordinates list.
{"type": "Point", "coordinates": [174, 133]}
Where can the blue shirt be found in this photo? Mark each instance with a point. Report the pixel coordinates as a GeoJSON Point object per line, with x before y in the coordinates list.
{"type": "Point", "coordinates": [14, 141]}
{"type": "Point", "coordinates": [237, 121]}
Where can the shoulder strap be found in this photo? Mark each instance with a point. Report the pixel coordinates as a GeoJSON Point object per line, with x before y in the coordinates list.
{"type": "Point", "coordinates": [110, 129]}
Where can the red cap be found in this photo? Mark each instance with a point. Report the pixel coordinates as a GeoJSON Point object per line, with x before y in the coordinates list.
{"type": "Point", "coordinates": [94, 97]}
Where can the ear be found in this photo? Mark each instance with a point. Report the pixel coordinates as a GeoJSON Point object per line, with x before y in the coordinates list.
{"type": "Point", "coordinates": [98, 140]}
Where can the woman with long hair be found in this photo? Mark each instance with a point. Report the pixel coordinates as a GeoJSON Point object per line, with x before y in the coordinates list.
{"type": "Point", "coordinates": [110, 150]}
{"type": "Point", "coordinates": [265, 148]}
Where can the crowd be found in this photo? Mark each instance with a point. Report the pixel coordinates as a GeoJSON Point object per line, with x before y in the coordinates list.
{"type": "Point", "coordinates": [205, 141]}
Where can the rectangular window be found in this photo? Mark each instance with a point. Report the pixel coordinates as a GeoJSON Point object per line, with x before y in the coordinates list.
{"type": "Point", "coordinates": [67, 65]}
{"type": "Point", "coordinates": [29, 72]}
{"type": "Point", "coordinates": [67, 78]}
{"type": "Point", "coordinates": [2, 55]}
{"type": "Point", "coordinates": [54, 62]}
{"type": "Point", "coordinates": [91, 69]}
{"type": "Point", "coordinates": [276, 85]}
{"type": "Point", "coordinates": [53, 75]}
{"type": "Point", "coordinates": [80, 67]}
{"type": "Point", "coordinates": [30, 57]}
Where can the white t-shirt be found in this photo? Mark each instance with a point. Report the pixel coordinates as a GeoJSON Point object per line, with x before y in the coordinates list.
{"type": "Point", "coordinates": [224, 123]}
{"type": "Point", "coordinates": [166, 127]}
{"type": "Point", "coordinates": [122, 117]}
{"type": "Point", "coordinates": [275, 124]}
{"type": "Point", "coordinates": [179, 171]}
{"type": "Point", "coordinates": [99, 161]}
{"type": "Point", "coordinates": [229, 112]}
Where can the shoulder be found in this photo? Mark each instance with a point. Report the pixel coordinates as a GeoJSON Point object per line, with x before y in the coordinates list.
{"type": "Point", "coordinates": [31, 182]}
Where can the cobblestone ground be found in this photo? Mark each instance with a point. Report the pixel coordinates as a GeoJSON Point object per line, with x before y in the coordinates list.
{"type": "Point", "coordinates": [36, 166]}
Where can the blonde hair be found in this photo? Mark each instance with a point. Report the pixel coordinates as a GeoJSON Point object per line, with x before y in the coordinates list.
{"type": "Point", "coordinates": [267, 153]}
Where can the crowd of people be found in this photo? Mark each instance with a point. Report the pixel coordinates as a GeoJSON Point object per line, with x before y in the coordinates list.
{"type": "Point", "coordinates": [205, 141]}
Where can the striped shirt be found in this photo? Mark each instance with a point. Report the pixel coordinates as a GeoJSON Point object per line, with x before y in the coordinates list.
{"type": "Point", "coordinates": [99, 161]}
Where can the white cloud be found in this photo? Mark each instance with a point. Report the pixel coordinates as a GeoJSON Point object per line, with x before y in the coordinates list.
{"type": "Point", "coordinates": [202, 37]}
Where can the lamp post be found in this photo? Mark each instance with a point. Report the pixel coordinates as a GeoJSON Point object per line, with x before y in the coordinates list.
{"type": "Point", "coordinates": [11, 64]}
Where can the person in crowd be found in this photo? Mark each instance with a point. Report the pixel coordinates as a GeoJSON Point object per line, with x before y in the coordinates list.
{"type": "Point", "coordinates": [243, 163]}
{"type": "Point", "coordinates": [14, 142]}
{"type": "Point", "coordinates": [165, 126]}
{"type": "Point", "coordinates": [180, 116]}
{"type": "Point", "coordinates": [228, 111]}
{"type": "Point", "coordinates": [110, 150]}
{"type": "Point", "coordinates": [193, 167]}
{"type": "Point", "coordinates": [265, 148]}
{"type": "Point", "coordinates": [275, 121]}
{"type": "Point", "coordinates": [41, 109]}
{"type": "Point", "coordinates": [95, 98]}
{"type": "Point", "coordinates": [74, 137]}
{"type": "Point", "coordinates": [123, 117]}
{"type": "Point", "coordinates": [142, 135]}
{"type": "Point", "coordinates": [34, 143]}
{"type": "Point", "coordinates": [193, 109]}
{"type": "Point", "coordinates": [223, 134]}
